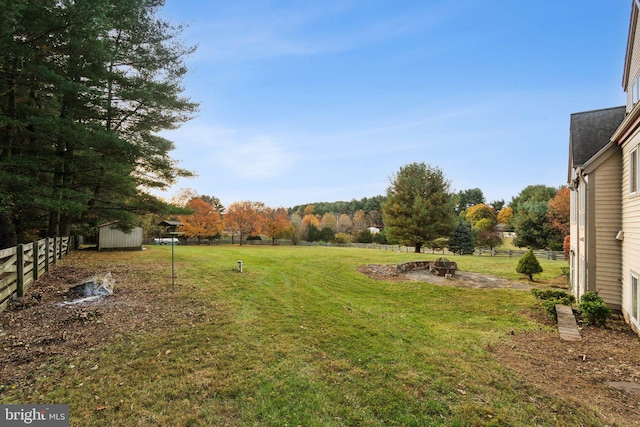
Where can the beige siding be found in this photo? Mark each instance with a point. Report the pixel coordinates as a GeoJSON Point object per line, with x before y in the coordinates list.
{"type": "Point", "coordinates": [112, 238]}
{"type": "Point", "coordinates": [605, 188]}
{"type": "Point", "coordinates": [574, 243]}
{"type": "Point", "coordinates": [634, 69]}
{"type": "Point", "coordinates": [631, 228]}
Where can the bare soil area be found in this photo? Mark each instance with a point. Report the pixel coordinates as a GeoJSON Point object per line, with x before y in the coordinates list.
{"type": "Point", "coordinates": [601, 372]}
{"type": "Point", "coordinates": [37, 331]}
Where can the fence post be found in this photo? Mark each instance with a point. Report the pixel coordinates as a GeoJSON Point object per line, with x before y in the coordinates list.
{"type": "Point", "coordinates": [55, 249]}
{"type": "Point", "coordinates": [20, 271]}
{"type": "Point", "coordinates": [35, 260]}
{"type": "Point", "coordinates": [46, 254]}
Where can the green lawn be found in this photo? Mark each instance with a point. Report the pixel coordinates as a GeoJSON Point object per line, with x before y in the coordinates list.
{"type": "Point", "coordinates": [301, 338]}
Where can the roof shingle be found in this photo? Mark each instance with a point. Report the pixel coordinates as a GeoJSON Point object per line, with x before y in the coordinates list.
{"type": "Point", "coordinates": [590, 131]}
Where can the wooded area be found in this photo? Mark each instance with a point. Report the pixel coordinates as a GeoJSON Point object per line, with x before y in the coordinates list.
{"type": "Point", "coordinates": [85, 89]}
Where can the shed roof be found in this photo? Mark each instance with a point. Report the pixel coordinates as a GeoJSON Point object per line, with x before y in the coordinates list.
{"type": "Point", "coordinates": [590, 131]}
{"type": "Point", "coordinates": [170, 223]}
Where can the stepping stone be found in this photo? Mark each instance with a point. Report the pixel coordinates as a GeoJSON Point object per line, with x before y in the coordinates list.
{"type": "Point", "coordinates": [627, 386]}
{"type": "Point", "coordinates": [567, 326]}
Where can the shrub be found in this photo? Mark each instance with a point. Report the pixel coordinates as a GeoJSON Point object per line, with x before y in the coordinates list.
{"type": "Point", "coordinates": [550, 306]}
{"type": "Point", "coordinates": [551, 297]}
{"type": "Point", "coordinates": [380, 238]}
{"type": "Point", "coordinates": [593, 309]}
{"type": "Point", "coordinates": [364, 236]}
{"type": "Point", "coordinates": [591, 297]}
{"type": "Point", "coordinates": [529, 265]}
{"type": "Point", "coordinates": [546, 294]}
{"type": "Point", "coordinates": [342, 238]}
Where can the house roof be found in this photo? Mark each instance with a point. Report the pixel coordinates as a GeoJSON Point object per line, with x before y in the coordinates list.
{"type": "Point", "coordinates": [170, 223]}
{"type": "Point", "coordinates": [590, 131]}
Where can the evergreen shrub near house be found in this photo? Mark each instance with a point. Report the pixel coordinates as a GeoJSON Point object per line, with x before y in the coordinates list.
{"type": "Point", "coordinates": [529, 265]}
{"type": "Point", "coordinates": [593, 309]}
{"type": "Point", "coordinates": [551, 297]}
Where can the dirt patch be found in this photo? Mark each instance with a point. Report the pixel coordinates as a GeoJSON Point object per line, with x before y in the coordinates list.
{"type": "Point", "coordinates": [36, 331]}
{"type": "Point", "coordinates": [602, 371]}
{"type": "Point", "coordinates": [462, 279]}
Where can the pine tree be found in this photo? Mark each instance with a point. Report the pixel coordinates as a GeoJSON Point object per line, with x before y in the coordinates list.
{"type": "Point", "coordinates": [419, 207]}
{"type": "Point", "coordinates": [461, 241]}
{"type": "Point", "coordinates": [86, 88]}
{"type": "Point", "coordinates": [529, 265]}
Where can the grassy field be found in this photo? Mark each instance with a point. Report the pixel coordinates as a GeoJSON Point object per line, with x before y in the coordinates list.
{"type": "Point", "coordinates": [301, 338]}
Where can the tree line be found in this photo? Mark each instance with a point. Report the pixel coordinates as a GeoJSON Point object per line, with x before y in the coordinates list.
{"type": "Point", "coordinates": [418, 210]}
{"type": "Point", "coordinates": [85, 89]}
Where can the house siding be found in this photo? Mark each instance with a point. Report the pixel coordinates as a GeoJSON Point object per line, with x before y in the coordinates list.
{"type": "Point", "coordinates": [634, 67]}
{"type": "Point", "coordinates": [631, 228]}
{"type": "Point", "coordinates": [605, 187]}
{"type": "Point", "coordinates": [574, 237]}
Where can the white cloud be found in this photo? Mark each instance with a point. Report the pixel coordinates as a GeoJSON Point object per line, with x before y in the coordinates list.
{"type": "Point", "coordinates": [260, 157]}
{"type": "Point", "coordinates": [207, 149]}
{"type": "Point", "coordinates": [254, 32]}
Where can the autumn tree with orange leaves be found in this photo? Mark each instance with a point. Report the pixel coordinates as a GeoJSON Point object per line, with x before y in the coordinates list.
{"type": "Point", "coordinates": [205, 221]}
{"type": "Point", "coordinates": [244, 219]}
{"type": "Point", "coordinates": [277, 224]}
{"type": "Point", "coordinates": [559, 211]}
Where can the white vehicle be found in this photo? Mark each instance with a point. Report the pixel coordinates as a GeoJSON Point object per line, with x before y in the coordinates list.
{"type": "Point", "coordinates": [165, 241]}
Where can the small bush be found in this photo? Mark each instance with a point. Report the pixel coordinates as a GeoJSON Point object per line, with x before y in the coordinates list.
{"type": "Point", "coordinates": [551, 297]}
{"type": "Point", "coordinates": [546, 294]}
{"type": "Point", "coordinates": [593, 309]}
{"type": "Point", "coordinates": [342, 238]}
{"type": "Point", "coordinates": [529, 265]}
{"type": "Point", "coordinates": [550, 305]}
{"type": "Point", "coordinates": [591, 297]}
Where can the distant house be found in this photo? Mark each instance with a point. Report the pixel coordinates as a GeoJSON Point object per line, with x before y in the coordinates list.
{"type": "Point", "coordinates": [373, 230]}
{"type": "Point", "coordinates": [111, 238]}
{"type": "Point", "coordinates": [604, 175]}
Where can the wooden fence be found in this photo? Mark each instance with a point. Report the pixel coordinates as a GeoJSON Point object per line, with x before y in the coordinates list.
{"type": "Point", "coordinates": [21, 265]}
{"type": "Point", "coordinates": [541, 254]}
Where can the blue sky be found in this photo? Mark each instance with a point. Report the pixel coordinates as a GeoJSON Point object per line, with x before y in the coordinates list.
{"type": "Point", "coordinates": [311, 101]}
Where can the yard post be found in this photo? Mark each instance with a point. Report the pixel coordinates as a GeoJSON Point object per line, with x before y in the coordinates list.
{"type": "Point", "coordinates": [55, 249]}
{"type": "Point", "coordinates": [20, 270]}
{"type": "Point", "coordinates": [35, 260]}
{"type": "Point", "coordinates": [46, 254]}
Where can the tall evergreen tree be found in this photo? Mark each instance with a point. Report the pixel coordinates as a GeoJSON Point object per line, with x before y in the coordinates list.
{"type": "Point", "coordinates": [419, 207]}
{"type": "Point", "coordinates": [86, 87]}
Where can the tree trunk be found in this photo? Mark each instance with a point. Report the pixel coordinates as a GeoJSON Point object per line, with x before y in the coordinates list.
{"type": "Point", "coordinates": [418, 247]}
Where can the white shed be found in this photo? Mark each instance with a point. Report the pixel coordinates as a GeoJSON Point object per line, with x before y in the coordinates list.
{"type": "Point", "coordinates": [109, 238]}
